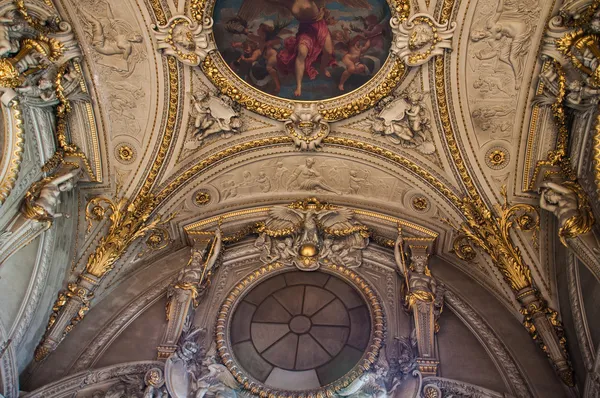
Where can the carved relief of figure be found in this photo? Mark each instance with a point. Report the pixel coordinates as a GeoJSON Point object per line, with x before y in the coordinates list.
{"type": "Point", "coordinates": [214, 115]}
{"type": "Point", "coordinates": [404, 121]}
{"type": "Point", "coordinates": [123, 100]}
{"type": "Point", "coordinates": [42, 199]}
{"type": "Point", "coordinates": [112, 37]}
{"type": "Point", "coordinates": [508, 39]}
{"type": "Point", "coordinates": [569, 204]}
{"type": "Point", "coordinates": [307, 178]}
{"type": "Point", "coordinates": [263, 182]}
{"type": "Point", "coordinates": [356, 182]}
{"type": "Point", "coordinates": [280, 172]}
{"type": "Point", "coordinates": [193, 276]}
{"type": "Point", "coordinates": [228, 189]}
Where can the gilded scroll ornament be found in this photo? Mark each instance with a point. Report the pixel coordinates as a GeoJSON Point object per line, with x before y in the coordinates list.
{"type": "Point", "coordinates": [420, 38]}
{"type": "Point", "coordinates": [492, 234]}
{"type": "Point", "coordinates": [128, 221]}
{"type": "Point", "coordinates": [185, 39]}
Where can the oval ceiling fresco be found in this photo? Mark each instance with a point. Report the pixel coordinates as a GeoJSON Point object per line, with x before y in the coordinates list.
{"type": "Point", "coordinates": [303, 49]}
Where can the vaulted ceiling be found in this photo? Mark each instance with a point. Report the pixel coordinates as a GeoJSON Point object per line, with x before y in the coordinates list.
{"type": "Point", "coordinates": [151, 181]}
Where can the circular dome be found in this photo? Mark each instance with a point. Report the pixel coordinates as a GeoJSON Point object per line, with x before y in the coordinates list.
{"type": "Point", "coordinates": [300, 331]}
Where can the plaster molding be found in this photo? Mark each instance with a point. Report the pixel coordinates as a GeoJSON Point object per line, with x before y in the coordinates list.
{"type": "Point", "coordinates": [578, 313]}
{"type": "Point", "coordinates": [453, 388]}
{"type": "Point", "coordinates": [36, 287]}
{"type": "Point", "coordinates": [71, 385]}
{"type": "Point", "coordinates": [488, 338]}
{"type": "Point", "coordinates": [118, 324]}
{"type": "Point", "coordinates": [9, 374]}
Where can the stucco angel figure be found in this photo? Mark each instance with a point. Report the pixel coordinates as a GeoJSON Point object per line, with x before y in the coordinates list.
{"type": "Point", "coordinates": [214, 115]}
{"type": "Point", "coordinates": [569, 204]}
{"type": "Point", "coordinates": [42, 199]}
{"type": "Point", "coordinates": [312, 41]}
{"type": "Point", "coordinates": [404, 121]}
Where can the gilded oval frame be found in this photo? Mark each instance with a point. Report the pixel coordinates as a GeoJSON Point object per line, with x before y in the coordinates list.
{"type": "Point", "coordinates": [252, 385]}
{"type": "Point", "coordinates": [332, 109]}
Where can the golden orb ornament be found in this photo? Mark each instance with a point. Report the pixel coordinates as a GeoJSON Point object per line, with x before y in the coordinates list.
{"type": "Point", "coordinates": [308, 250]}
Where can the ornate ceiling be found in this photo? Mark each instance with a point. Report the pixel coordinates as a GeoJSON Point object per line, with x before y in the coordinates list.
{"type": "Point", "coordinates": [443, 128]}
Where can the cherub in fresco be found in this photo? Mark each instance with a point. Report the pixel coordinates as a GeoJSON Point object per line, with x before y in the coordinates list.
{"type": "Point", "coordinates": [267, 39]}
{"type": "Point", "coordinates": [312, 40]}
{"type": "Point", "coordinates": [250, 54]}
{"type": "Point", "coordinates": [374, 30]}
{"type": "Point", "coordinates": [351, 59]}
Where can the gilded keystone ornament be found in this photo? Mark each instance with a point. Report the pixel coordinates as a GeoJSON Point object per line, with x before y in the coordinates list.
{"type": "Point", "coordinates": [307, 127]}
